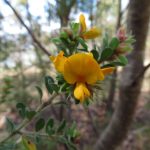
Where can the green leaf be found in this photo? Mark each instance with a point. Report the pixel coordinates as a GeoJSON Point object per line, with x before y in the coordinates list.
{"type": "Point", "coordinates": [95, 54]}
{"type": "Point", "coordinates": [62, 140]}
{"type": "Point", "coordinates": [39, 124]}
{"type": "Point", "coordinates": [106, 53]}
{"type": "Point", "coordinates": [64, 87]}
{"type": "Point", "coordinates": [56, 40]}
{"type": "Point", "coordinates": [72, 132]}
{"type": "Point", "coordinates": [48, 83]}
{"type": "Point", "coordinates": [81, 49]}
{"type": "Point", "coordinates": [55, 87]}
{"type": "Point", "coordinates": [75, 27]}
{"type": "Point", "coordinates": [30, 114]}
{"type": "Point", "coordinates": [82, 42]}
{"type": "Point", "coordinates": [39, 91]}
{"type": "Point", "coordinates": [114, 43]}
{"type": "Point", "coordinates": [113, 64]}
{"type": "Point", "coordinates": [49, 127]}
{"type": "Point", "coordinates": [61, 126]}
{"type": "Point", "coordinates": [9, 125]}
{"type": "Point", "coordinates": [28, 145]}
{"type": "Point", "coordinates": [123, 59]}
{"type": "Point", "coordinates": [21, 109]}
{"type": "Point", "coordinates": [64, 35]}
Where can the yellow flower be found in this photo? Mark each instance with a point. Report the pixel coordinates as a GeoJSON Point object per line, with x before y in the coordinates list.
{"type": "Point", "coordinates": [88, 34]}
{"type": "Point", "coordinates": [59, 61]}
{"type": "Point", "coordinates": [81, 69]}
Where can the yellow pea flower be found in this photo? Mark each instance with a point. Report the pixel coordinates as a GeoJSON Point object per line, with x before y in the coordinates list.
{"type": "Point", "coordinates": [81, 70]}
{"type": "Point", "coordinates": [59, 61]}
{"type": "Point", "coordinates": [88, 34]}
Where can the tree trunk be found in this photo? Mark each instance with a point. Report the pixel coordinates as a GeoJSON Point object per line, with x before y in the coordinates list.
{"type": "Point", "coordinates": [64, 20]}
{"type": "Point", "coordinates": [115, 133]}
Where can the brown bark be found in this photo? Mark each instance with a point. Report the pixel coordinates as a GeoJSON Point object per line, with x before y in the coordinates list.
{"type": "Point", "coordinates": [63, 11]}
{"type": "Point", "coordinates": [115, 133]}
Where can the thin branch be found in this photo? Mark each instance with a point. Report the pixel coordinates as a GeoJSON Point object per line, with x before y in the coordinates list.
{"type": "Point", "coordinates": [27, 28]}
{"type": "Point", "coordinates": [141, 74]}
{"type": "Point", "coordinates": [27, 121]}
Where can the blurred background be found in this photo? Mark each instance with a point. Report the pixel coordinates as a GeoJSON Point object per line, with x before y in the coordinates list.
{"type": "Point", "coordinates": [23, 65]}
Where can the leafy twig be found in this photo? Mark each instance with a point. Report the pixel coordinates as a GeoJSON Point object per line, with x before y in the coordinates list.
{"type": "Point", "coordinates": [27, 121]}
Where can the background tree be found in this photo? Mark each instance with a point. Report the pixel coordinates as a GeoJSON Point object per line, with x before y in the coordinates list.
{"type": "Point", "coordinates": [131, 80]}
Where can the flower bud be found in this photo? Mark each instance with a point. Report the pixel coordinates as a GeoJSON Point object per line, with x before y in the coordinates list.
{"type": "Point", "coordinates": [121, 34]}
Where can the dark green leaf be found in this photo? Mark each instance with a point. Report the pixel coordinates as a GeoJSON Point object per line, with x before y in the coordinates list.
{"type": "Point", "coordinates": [114, 43]}
{"type": "Point", "coordinates": [55, 87]}
{"type": "Point", "coordinates": [106, 53]}
{"type": "Point", "coordinates": [82, 42]}
{"type": "Point", "coordinates": [64, 87]}
{"type": "Point", "coordinates": [95, 54]}
{"type": "Point", "coordinates": [30, 114]}
{"type": "Point", "coordinates": [10, 125]}
{"type": "Point", "coordinates": [39, 124]}
{"type": "Point", "coordinates": [72, 132]}
{"type": "Point", "coordinates": [21, 109]}
{"type": "Point", "coordinates": [62, 140]}
{"type": "Point", "coordinates": [49, 127]}
{"type": "Point", "coordinates": [81, 49]}
{"type": "Point", "coordinates": [61, 126]}
{"type": "Point", "coordinates": [48, 83]}
{"type": "Point", "coordinates": [39, 91]}
{"type": "Point", "coordinates": [113, 64]}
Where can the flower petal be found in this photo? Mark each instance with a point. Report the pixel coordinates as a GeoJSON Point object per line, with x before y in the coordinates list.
{"type": "Point", "coordinates": [82, 23]}
{"type": "Point", "coordinates": [101, 75]}
{"type": "Point", "coordinates": [59, 61]}
{"type": "Point", "coordinates": [92, 33]}
{"type": "Point", "coordinates": [69, 74]}
{"type": "Point", "coordinates": [81, 67]}
{"type": "Point", "coordinates": [81, 92]}
{"type": "Point", "coordinates": [108, 70]}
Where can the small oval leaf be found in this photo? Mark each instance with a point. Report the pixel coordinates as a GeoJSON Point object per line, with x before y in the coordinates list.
{"type": "Point", "coordinates": [39, 124]}
{"type": "Point", "coordinates": [106, 53]}
{"type": "Point", "coordinates": [49, 127]}
{"type": "Point", "coordinates": [48, 83]}
{"type": "Point", "coordinates": [21, 109]}
{"type": "Point", "coordinates": [114, 43]}
{"type": "Point", "coordinates": [39, 91]}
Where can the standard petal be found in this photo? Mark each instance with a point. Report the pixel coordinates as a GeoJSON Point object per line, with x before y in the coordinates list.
{"type": "Point", "coordinates": [82, 23]}
{"type": "Point", "coordinates": [59, 61]}
{"type": "Point", "coordinates": [92, 33]}
{"type": "Point", "coordinates": [81, 92]}
{"type": "Point", "coordinates": [68, 73]}
{"type": "Point", "coordinates": [81, 67]}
